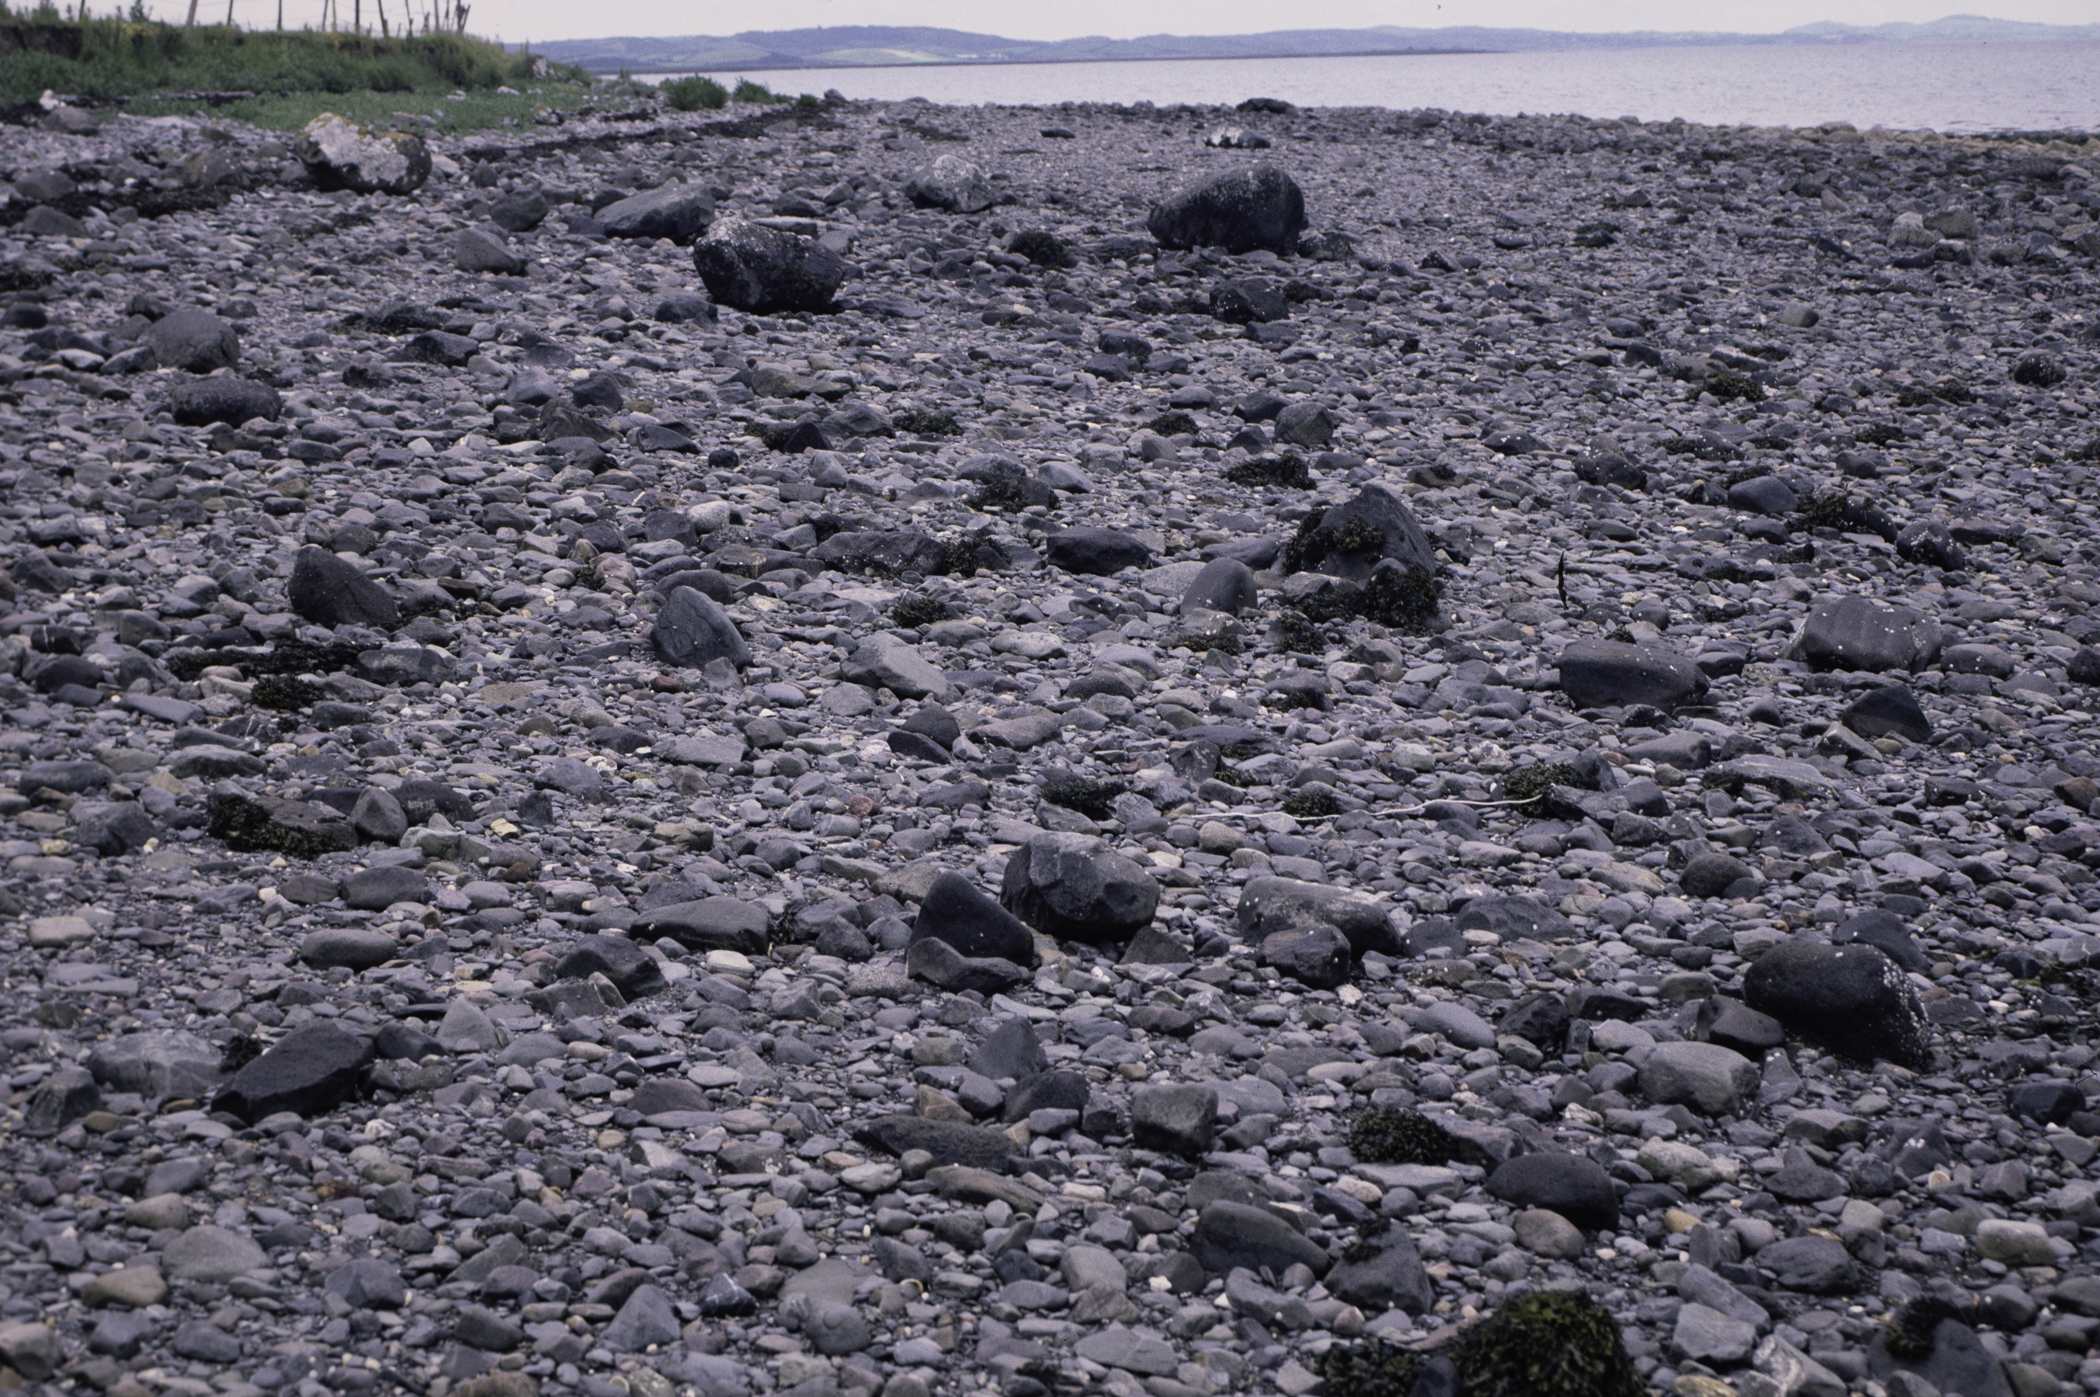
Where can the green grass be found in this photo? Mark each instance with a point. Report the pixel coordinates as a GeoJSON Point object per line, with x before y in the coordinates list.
{"type": "Point", "coordinates": [295, 74]}
{"type": "Point", "coordinates": [382, 110]}
{"type": "Point", "coordinates": [690, 94]}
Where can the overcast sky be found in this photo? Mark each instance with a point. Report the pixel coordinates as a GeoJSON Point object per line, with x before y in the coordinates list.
{"type": "Point", "coordinates": [514, 20]}
{"type": "Point", "coordinates": [1122, 19]}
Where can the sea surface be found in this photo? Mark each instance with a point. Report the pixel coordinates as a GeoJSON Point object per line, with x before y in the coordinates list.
{"type": "Point", "coordinates": [1968, 87]}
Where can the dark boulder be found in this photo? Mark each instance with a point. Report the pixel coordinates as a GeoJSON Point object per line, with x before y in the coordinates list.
{"type": "Point", "coordinates": [1240, 211]}
{"type": "Point", "coordinates": [332, 591]}
{"type": "Point", "coordinates": [1851, 999]}
{"type": "Point", "coordinates": [762, 270]}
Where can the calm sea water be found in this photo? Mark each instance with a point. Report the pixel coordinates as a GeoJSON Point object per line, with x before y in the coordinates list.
{"type": "Point", "coordinates": [1942, 87]}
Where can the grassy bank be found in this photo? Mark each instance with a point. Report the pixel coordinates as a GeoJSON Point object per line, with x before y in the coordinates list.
{"type": "Point", "coordinates": [294, 74]}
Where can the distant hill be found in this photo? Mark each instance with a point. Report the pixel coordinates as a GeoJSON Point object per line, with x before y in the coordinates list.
{"type": "Point", "coordinates": [862, 46]}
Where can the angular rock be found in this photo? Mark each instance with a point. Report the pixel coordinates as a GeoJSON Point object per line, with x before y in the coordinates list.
{"type": "Point", "coordinates": [193, 341]}
{"type": "Point", "coordinates": [1269, 905]}
{"type": "Point", "coordinates": [1851, 999]}
{"type": "Point", "coordinates": [1572, 1185]}
{"type": "Point", "coordinates": [1075, 886]}
{"type": "Point", "coordinates": [1174, 1119]}
{"type": "Point", "coordinates": [679, 212]}
{"type": "Point", "coordinates": [1862, 633]}
{"type": "Point", "coordinates": [764, 270]}
{"type": "Point", "coordinates": [308, 1071]}
{"type": "Point", "coordinates": [338, 154]}
{"type": "Point", "coordinates": [692, 630]}
{"type": "Point", "coordinates": [955, 911]}
{"type": "Point", "coordinates": [882, 661]}
{"type": "Point", "coordinates": [1611, 674]}
{"type": "Point", "coordinates": [199, 402]}
{"type": "Point", "coordinates": [953, 184]}
{"type": "Point", "coordinates": [1239, 210]}
{"type": "Point", "coordinates": [1707, 1077]}
{"type": "Point", "coordinates": [332, 591]}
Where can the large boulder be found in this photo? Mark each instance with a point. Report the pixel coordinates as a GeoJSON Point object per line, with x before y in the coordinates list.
{"type": "Point", "coordinates": [692, 629]}
{"type": "Point", "coordinates": [484, 250]}
{"type": "Point", "coordinates": [340, 154]}
{"type": "Point", "coordinates": [157, 1063]}
{"type": "Point", "coordinates": [1354, 536]}
{"type": "Point", "coordinates": [1704, 1076]}
{"type": "Point", "coordinates": [1270, 905]}
{"type": "Point", "coordinates": [1225, 585]}
{"type": "Point", "coordinates": [955, 911]}
{"type": "Point", "coordinates": [953, 183]}
{"type": "Point", "coordinates": [761, 270]}
{"type": "Point", "coordinates": [1613, 674]}
{"type": "Point", "coordinates": [332, 591]}
{"type": "Point", "coordinates": [1852, 999]}
{"type": "Point", "coordinates": [709, 924]}
{"type": "Point", "coordinates": [883, 661]}
{"type": "Point", "coordinates": [1573, 1185]}
{"type": "Point", "coordinates": [1232, 1234]}
{"type": "Point", "coordinates": [1073, 885]}
{"type": "Point", "coordinates": [308, 1071]}
{"type": "Point", "coordinates": [1240, 211]}
{"type": "Point", "coordinates": [1095, 552]}
{"type": "Point", "coordinates": [194, 341]}
{"type": "Point", "coordinates": [680, 212]}
{"type": "Point", "coordinates": [199, 402]}
{"type": "Point", "coordinates": [1861, 633]}
{"type": "Point", "coordinates": [1888, 710]}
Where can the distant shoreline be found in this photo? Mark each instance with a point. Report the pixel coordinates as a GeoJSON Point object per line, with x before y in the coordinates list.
{"type": "Point", "coordinates": [677, 70]}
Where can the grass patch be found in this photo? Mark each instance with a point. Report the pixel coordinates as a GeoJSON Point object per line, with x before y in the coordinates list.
{"type": "Point", "coordinates": [758, 94]}
{"type": "Point", "coordinates": [691, 94]}
{"type": "Point", "coordinates": [107, 60]}
{"type": "Point", "coordinates": [477, 111]}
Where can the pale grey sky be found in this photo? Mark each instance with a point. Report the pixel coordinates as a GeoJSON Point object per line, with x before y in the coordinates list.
{"type": "Point", "coordinates": [514, 20]}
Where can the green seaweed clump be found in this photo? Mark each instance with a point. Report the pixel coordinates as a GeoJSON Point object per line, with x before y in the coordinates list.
{"type": "Point", "coordinates": [1678, 446]}
{"type": "Point", "coordinates": [299, 657]}
{"type": "Point", "coordinates": [1828, 509]}
{"type": "Point", "coordinates": [1370, 1368]}
{"type": "Point", "coordinates": [1529, 784]}
{"type": "Point", "coordinates": [916, 609]}
{"type": "Point", "coordinates": [1311, 803]}
{"type": "Point", "coordinates": [1401, 599]}
{"type": "Point", "coordinates": [1284, 472]}
{"type": "Point", "coordinates": [966, 554]}
{"type": "Point", "coordinates": [281, 693]}
{"type": "Point", "coordinates": [1304, 546]}
{"type": "Point", "coordinates": [1045, 249]}
{"type": "Point", "coordinates": [1545, 1343]}
{"type": "Point", "coordinates": [1093, 799]}
{"type": "Point", "coordinates": [1908, 1334]}
{"type": "Point", "coordinates": [1172, 424]}
{"type": "Point", "coordinates": [926, 422]}
{"type": "Point", "coordinates": [1879, 434]}
{"type": "Point", "coordinates": [304, 831]}
{"type": "Point", "coordinates": [188, 663]}
{"type": "Point", "coordinates": [1224, 642]}
{"type": "Point", "coordinates": [1297, 632]}
{"type": "Point", "coordinates": [1731, 387]}
{"type": "Point", "coordinates": [1357, 535]}
{"type": "Point", "coordinates": [1395, 1135]}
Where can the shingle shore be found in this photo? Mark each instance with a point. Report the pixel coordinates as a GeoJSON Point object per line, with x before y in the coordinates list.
{"type": "Point", "coordinates": [471, 786]}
